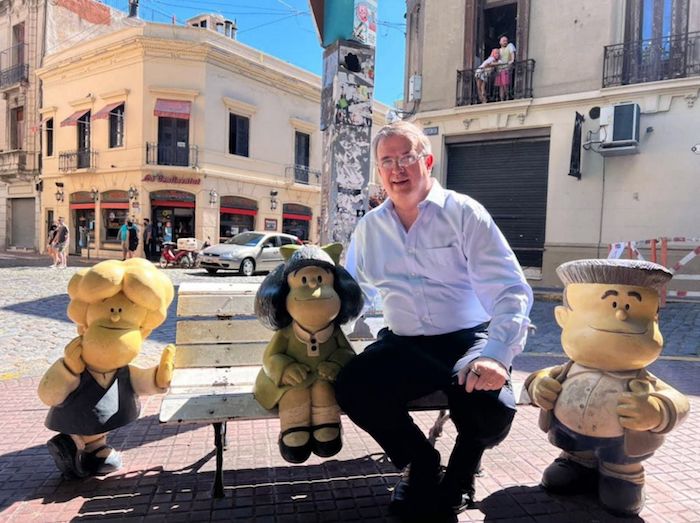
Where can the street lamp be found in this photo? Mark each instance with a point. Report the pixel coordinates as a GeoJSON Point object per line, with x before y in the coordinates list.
{"type": "Point", "coordinates": [273, 200]}
{"type": "Point", "coordinates": [94, 194]}
{"type": "Point", "coordinates": [213, 197]}
{"type": "Point", "coordinates": [59, 194]}
{"type": "Point", "coordinates": [133, 193]}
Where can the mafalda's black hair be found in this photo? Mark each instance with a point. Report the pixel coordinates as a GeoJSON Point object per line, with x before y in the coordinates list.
{"type": "Point", "coordinates": [271, 298]}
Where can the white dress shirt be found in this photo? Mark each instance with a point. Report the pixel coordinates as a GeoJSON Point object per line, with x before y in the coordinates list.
{"type": "Point", "coordinates": [452, 270]}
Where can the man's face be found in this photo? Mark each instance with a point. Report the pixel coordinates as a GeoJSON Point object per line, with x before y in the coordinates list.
{"type": "Point", "coordinates": [610, 327]}
{"type": "Point", "coordinates": [406, 186]}
{"type": "Point", "coordinates": [504, 41]}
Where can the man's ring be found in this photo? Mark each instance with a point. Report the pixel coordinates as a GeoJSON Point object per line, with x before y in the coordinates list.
{"type": "Point", "coordinates": [475, 373]}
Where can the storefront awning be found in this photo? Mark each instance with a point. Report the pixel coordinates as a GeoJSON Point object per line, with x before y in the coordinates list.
{"type": "Point", "coordinates": [302, 217]}
{"type": "Point", "coordinates": [172, 203]}
{"type": "Point", "coordinates": [73, 118]}
{"type": "Point", "coordinates": [173, 108]}
{"type": "Point", "coordinates": [103, 113]}
{"type": "Point", "coordinates": [82, 205]}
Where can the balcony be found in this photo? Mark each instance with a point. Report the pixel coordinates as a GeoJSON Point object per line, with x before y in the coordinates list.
{"type": "Point", "coordinates": [12, 161]}
{"type": "Point", "coordinates": [13, 68]}
{"type": "Point", "coordinates": [302, 174]}
{"type": "Point", "coordinates": [162, 154]}
{"type": "Point", "coordinates": [80, 159]}
{"type": "Point", "coordinates": [666, 58]}
{"type": "Point", "coordinates": [494, 84]}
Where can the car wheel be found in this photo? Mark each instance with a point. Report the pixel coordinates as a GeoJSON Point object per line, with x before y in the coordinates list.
{"type": "Point", "coordinates": [212, 271]}
{"type": "Point", "coordinates": [247, 267]}
{"type": "Point", "coordinates": [163, 262]}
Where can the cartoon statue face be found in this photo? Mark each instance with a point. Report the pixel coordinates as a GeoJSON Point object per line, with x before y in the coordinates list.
{"type": "Point", "coordinates": [113, 335]}
{"type": "Point", "coordinates": [609, 326]}
{"type": "Point", "coordinates": [312, 300]}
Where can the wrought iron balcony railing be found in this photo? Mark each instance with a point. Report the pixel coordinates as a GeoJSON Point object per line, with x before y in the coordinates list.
{"type": "Point", "coordinates": [80, 159]}
{"type": "Point", "coordinates": [14, 75]}
{"type": "Point", "coordinates": [12, 161]}
{"type": "Point", "coordinates": [674, 56]}
{"type": "Point", "coordinates": [162, 154]}
{"type": "Point", "coordinates": [302, 174]}
{"type": "Point", "coordinates": [495, 84]}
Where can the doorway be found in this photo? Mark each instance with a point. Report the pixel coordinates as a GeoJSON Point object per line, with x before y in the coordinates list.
{"type": "Point", "coordinates": [498, 21]}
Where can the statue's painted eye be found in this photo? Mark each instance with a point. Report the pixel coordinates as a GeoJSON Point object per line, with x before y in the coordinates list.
{"type": "Point", "coordinates": [627, 307]}
{"type": "Point", "coordinates": [320, 279]}
{"type": "Point", "coordinates": [303, 280]}
{"type": "Point", "coordinates": [120, 309]}
{"type": "Point", "coordinates": [614, 304]}
{"type": "Point", "coordinates": [111, 310]}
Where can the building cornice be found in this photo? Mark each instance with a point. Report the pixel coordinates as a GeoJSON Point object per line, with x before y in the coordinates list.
{"type": "Point", "coordinates": [173, 92]}
{"type": "Point", "coordinates": [239, 107]}
{"type": "Point", "coordinates": [303, 125]}
{"type": "Point", "coordinates": [115, 95]}
{"type": "Point", "coordinates": [82, 103]}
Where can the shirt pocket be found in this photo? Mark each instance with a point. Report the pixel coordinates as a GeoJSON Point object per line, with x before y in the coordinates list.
{"type": "Point", "coordinates": [439, 263]}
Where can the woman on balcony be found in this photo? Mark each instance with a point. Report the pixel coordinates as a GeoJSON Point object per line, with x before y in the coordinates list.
{"type": "Point", "coordinates": [505, 65]}
{"type": "Point", "coordinates": [483, 74]}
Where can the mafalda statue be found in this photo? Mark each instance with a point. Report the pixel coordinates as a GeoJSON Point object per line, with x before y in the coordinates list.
{"type": "Point", "coordinates": [93, 389]}
{"type": "Point", "coordinates": [305, 300]}
{"type": "Point", "coordinates": [603, 408]}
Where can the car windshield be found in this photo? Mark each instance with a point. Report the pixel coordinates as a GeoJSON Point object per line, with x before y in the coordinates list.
{"type": "Point", "coordinates": [249, 239]}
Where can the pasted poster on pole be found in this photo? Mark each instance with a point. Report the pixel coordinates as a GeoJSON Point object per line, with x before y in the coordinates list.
{"type": "Point", "coordinates": [364, 27]}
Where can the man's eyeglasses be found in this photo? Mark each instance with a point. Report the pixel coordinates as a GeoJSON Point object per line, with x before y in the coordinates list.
{"type": "Point", "coordinates": [402, 161]}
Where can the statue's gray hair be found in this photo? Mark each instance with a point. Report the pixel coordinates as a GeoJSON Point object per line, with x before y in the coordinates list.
{"type": "Point", "coordinates": [638, 273]}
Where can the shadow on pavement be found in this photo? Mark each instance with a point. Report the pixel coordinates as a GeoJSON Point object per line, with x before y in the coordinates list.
{"type": "Point", "coordinates": [524, 503]}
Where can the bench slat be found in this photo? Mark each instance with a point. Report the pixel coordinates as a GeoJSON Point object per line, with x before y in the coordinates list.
{"type": "Point", "coordinates": [213, 377]}
{"type": "Point", "coordinates": [216, 287]}
{"type": "Point", "coordinates": [221, 331]}
{"type": "Point", "coordinates": [192, 356]}
{"type": "Point", "coordinates": [215, 305]}
{"type": "Point", "coordinates": [211, 408]}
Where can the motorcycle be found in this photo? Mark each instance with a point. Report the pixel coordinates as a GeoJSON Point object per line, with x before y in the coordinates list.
{"type": "Point", "coordinates": [171, 255]}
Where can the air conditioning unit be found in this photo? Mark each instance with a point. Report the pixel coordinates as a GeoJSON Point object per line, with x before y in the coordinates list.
{"type": "Point", "coordinates": [619, 129]}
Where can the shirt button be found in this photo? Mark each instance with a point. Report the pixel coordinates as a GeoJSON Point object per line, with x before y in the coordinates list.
{"type": "Point", "coordinates": [413, 274]}
{"type": "Point", "coordinates": [425, 318]}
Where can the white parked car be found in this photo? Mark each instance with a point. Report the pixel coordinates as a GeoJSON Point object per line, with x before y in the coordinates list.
{"type": "Point", "coordinates": [247, 252]}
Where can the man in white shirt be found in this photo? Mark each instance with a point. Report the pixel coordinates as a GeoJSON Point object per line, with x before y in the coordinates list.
{"type": "Point", "coordinates": [456, 303]}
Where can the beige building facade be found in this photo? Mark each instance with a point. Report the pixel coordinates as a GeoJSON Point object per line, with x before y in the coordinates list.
{"type": "Point", "coordinates": [202, 135]}
{"type": "Point", "coordinates": [563, 187]}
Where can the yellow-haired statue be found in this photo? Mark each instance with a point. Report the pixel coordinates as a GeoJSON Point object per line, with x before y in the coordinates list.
{"type": "Point", "coordinates": [93, 389]}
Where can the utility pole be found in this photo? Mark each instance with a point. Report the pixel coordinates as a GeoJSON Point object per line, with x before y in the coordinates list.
{"type": "Point", "coordinates": [347, 31]}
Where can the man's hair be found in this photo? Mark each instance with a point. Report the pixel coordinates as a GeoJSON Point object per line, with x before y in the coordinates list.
{"type": "Point", "coordinates": [406, 129]}
{"type": "Point", "coordinates": [147, 220]}
{"type": "Point", "coordinates": [638, 273]}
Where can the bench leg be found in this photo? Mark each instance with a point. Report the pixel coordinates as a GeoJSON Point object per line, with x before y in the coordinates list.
{"type": "Point", "coordinates": [436, 430]}
{"type": "Point", "coordinates": [225, 437]}
{"type": "Point", "coordinates": [219, 438]}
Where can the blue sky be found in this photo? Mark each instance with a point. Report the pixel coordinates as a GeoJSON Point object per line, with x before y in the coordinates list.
{"type": "Point", "coordinates": [285, 29]}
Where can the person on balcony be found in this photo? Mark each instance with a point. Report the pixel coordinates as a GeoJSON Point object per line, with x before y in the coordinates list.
{"type": "Point", "coordinates": [483, 74]}
{"type": "Point", "coordinates": [505, 66]}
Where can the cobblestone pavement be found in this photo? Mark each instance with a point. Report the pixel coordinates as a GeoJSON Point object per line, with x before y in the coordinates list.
{"type": "Point", "coordinates": [34, 327]}
{"type": "Point", "coordinates": [169, 470]}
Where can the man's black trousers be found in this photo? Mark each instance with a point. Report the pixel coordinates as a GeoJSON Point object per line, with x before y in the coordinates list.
{"type": "Point", "coordinates": [373, 389]}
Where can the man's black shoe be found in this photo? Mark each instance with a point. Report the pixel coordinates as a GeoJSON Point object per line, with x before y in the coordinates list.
{"type": "Point", "coordinates": [416, 494]}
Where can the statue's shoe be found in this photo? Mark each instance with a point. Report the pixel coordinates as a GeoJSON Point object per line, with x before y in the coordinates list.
{"type": "Point", "coordinates": [568, 477]}
{"type": "Point", "coordinates": [298, 454]}
{"type": "Point", "coordinates": [98, 465]}
{"type": "Point", "coordinates": [326, 449]}
{"type": "Point", "coordinates": [67, 457]}
{"type": "Point", "coordinates": [620, 497]}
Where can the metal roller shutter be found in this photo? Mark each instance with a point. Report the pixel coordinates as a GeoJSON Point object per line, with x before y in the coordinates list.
{"type": "Point", "coordinates": [509, 177]}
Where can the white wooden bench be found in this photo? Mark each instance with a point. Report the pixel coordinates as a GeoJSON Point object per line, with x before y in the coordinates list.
{"type": "Point", "coordinates": [219, 353]}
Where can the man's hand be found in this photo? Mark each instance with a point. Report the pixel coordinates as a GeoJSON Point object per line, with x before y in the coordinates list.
{"type": "Point", "coordinates": [482, 374]}
{"type": "Point", "coordinates": [295, 373]}
{"type": "Point", "coordinates": [72, 356]}
{"type": "Point", "coordinates": [637, 409]}
{"type": "Point", "coordinates": [328, 370]}
{"type": "Point", "coordinates": [164, 373]}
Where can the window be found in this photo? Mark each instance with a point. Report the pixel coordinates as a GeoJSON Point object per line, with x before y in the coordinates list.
{"type": "Point", "coordinates": [238, 130]}
{"type": "Point", "coordinates": [49, 137]}
{"type": "Point", "coordinates": [302, 143]}
{"type": "Point", "coordinates": [16, 127]}
{"type": "Point", "coordinates": [116, 127]}
{"type": "Point", "coordinates": [84, 141]}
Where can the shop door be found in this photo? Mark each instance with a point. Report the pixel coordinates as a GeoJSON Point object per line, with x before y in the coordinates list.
{"type": "Point", "coordinates": [23, 222]}
{"type": "Point", "coordinates": [509, 178]}
{"type": "Point", "coordinates": [173, 141]}
{"type": "Point", "coordinates": [83, 222]}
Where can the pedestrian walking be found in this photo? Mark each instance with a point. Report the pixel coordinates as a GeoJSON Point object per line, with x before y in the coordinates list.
{"type": "Point", "coordinates": [123, 237]}
{"type": "Point", "coordinates": [61, 240]}
{"type": "Point", "coordinates": [132, 236]}
{"type": "Point", "coordinates": [148, 240]}
{"type": "Point", "coordinates": [49, 244]}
